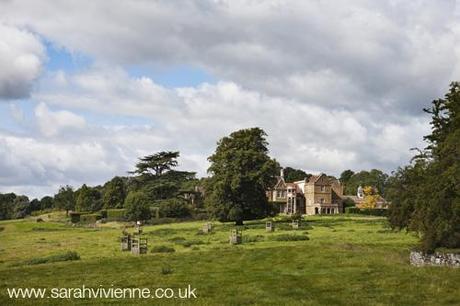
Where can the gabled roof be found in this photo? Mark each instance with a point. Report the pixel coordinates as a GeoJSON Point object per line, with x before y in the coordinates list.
{"type": "Point", "coordinates": [280, 184]}
{"type": "Point", "coordinates": [314, 178]}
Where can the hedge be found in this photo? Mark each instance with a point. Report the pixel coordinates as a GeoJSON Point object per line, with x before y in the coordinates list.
{"type": "Point", "coordinates": [75, 216]}
{"type": "Point", "coordinates": [90, 218]}
{"type": "Point", "coordinates": [366, 211]}
{"type": "Point", "coordinates": [116, 214]}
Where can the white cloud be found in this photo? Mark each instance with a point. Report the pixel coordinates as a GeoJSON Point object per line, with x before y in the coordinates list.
{"type": "Point", "coordinates": [52, 123]}
{"type": "Point", "coordinates": [21, 58]}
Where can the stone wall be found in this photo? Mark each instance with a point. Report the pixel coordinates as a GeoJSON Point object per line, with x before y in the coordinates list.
{"type": "Point", "coordinates": [420, 259]}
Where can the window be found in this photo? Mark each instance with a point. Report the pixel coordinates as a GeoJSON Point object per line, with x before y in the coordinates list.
{"type": "Point", "coordinates": [323, 188]}
{"type": "Point", "coordinates": [321, 201]}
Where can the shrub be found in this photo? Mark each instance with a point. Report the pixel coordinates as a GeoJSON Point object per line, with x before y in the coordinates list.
{"type": "Point", "coordinates": [366, 211]}
{"type": "Point", "coordinates": [74, 217]}
{"type": "Point", "coordinates": [174, 208]}
{"type": "Point", "coordinates": [137, 206]}
{"type": "Point", "coordinates": [69, 255]}
{"type": "Point", "coordinates": [90, 218]}
{"type": "Point", "coordinates": [162, 249]}
{"type": "Point", "coordinates": [39, 220]}
{"type": "Point", "coordinates": [115, 214]}
{"type": "Point", "coordinates": [289, 237]}
{"type": "Point", "coordinates": [1, 228]}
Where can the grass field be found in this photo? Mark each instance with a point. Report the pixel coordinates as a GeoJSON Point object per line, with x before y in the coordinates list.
{"type": "Point", "coordinates": [346, 261]}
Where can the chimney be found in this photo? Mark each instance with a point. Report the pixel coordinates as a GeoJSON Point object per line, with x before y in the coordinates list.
{"type": "Point", "coordinates": [282, 173]}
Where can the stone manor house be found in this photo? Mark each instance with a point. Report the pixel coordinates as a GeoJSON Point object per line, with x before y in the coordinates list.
{"type": "Point", "coordinates": [319, 194]}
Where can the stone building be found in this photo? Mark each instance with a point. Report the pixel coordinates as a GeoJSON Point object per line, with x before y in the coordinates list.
{"type": "Point", "coordinates": [319, 194]}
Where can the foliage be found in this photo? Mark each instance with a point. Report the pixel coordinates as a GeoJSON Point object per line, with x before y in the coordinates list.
{"type": "Point", "coordinates": [289, 237]}
{"type": "Point", "coordinates": [137, 206]}
{"type": "Point", "coordinates": [46, 202]}
{"type": "Point", "coordinates": [68, 256]}
{"type": "Point", "coordinates": [292, 175]}
{"type": "Point", "coordinates": [370, 197]}
{"type": "Point", "coordinates": [241, 173]}
{"type": "Point", "coordinates": [115, 214]}
{"type": "Point", "coordinates": [374, 178]}
{"type": "Point", "coordinates": [65, 198]}
{"type": "Point", "coordinates": [21, 207]}
{"type": "Point", "coordinates": [366, 211]}
{"type": "Point", "coordinates": [174, 208]}
{"type": "Point", "coordinates": [345, 176]}
{"type": "Point", "coordinates": [162, 249]}
{"type": "Point", "coordinates": [426, 195]}
{"type": "Point", "coordinates": [74, 217]}
{"type": "Point", "coordinates": [114, 193]}
{"type": "Point", "coordinates": [90, 218]}
{"type": "Point", "coordinates": [6, 205]}
{"type": "Point", "coordinates": [88, 199]}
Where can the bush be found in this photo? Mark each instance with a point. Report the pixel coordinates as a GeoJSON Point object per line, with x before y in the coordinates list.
{"type": "Point", "coordinates": [366, 211]}
{"type": "Point", "coordinates": [289, 237]}
{"type": "Point", "coordinates": [137, 206]}
{"type": "Point", "coordinates": [115, 214]}
{"type": "Point", "coordinates": [174, 208]}
{"type": "Point", "coordinates": [90, 218]}
{"type": "Point", "coordinates": [70, 255]}
{"type": "Point", "coordinates": [166, 270]}
{"type": "Point", "coordinates": [74, 217]}
{"type": "Point", "coordinates": [162, 249]}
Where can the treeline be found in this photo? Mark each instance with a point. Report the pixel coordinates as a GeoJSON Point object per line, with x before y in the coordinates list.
{"type": "Point", "coordinates": [154, 182]}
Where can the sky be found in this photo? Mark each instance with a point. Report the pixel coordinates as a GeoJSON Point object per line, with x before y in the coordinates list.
{"type": "Point", "coordinates": [87, 87]}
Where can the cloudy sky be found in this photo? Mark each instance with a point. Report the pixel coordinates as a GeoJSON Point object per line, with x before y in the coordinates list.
{"type": "Point", "coordinates": [86, 87]}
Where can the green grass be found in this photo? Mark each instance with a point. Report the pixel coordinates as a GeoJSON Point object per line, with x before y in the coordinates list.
{"type": "Point", "coordinates": [346, 261]}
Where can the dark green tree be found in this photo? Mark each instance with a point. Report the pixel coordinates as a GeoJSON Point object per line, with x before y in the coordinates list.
{"type": "Point", "coordinates": [375, 178]}
{"type": "Point", "coordinates": [426, 194]}
{"type": "Point", "coordinates": [345, 176]}
{"type": "Point", "coordinates": [88, 199]}
{"type": "Point", "coordinates": [114, 193]}
{"type": "Point", "coordinates": [46, 202]}
{"type": "Point", "coordinates": [21, 207]}
{"type": "Point", "coordinates": [65, 199]}
{"type": "Point", "coordinates": [137, 206]}
{"type": "Point", "coordinates": [292, 175]}
{"type": "Point", "coordinates": [241, 171]}
{"type": "Point", "coordinates": [6, 205]}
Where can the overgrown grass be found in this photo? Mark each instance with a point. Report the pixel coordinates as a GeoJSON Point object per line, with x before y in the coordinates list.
{"type": "Point", "coordinates": [67, 256]}
{"type": "Point", "coordinates": [289, 237]}
{"type": "Point", "coordinates": [162, 249]}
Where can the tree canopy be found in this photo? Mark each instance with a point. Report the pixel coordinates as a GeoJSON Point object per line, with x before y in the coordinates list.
{"type": "Point", "coordinates": [241, 171]}
{"type": "Point", "coordinates": [425, 195]}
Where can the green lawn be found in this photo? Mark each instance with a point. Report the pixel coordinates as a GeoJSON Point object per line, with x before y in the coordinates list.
{"type": "Point", "coordinates": [346, 261]}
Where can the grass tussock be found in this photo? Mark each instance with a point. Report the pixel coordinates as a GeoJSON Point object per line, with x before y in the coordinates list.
{"type": "Point", "coordinates": [67, 256]}
{"type": "Point", "coordinates": [162, 249]}
{"type": "Point", "coordinates": [289, 237]}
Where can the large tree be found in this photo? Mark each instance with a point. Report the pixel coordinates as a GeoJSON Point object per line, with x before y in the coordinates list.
{"type": "Point", "coordinates": [292, 175]}
{"type": "Point", "coordinates": [156, 177]}
{"type": "Point", "coordinates": [241, 171]}
{"type": "Point", "coordinates": [426, 194]}
{"type": "Point", "coordinates": [65, 199]}
{"type": "Point", "coordinates": [88, 199]}
{"type": "Point", "coordinates": [114, 193]}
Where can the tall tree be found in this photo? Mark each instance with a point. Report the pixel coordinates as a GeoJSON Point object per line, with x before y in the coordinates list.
{"type": "Point", "coordinates": [345, 176]}
{"type": "Point", "coordinates": [241, 173]}
{"type": "Point", "coordinates": [65, 199]}
{"type": "Point", "coordinates": [428, 198]}
{"type": "Point", "coordinates": [114, 193]}
{"type": "Point", "coordinates": [156, 177]}
{"type": "Point", "coordinates": [88, 199]}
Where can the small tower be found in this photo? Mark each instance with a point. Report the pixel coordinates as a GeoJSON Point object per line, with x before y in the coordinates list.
{"type": "Point", "coordinates": [282, 173]}
{"type": "Point", "coordinates": [360, 192]}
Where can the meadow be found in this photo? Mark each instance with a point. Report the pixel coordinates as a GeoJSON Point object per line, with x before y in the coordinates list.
{"type": "Point", "coordinates": [330, 260]}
